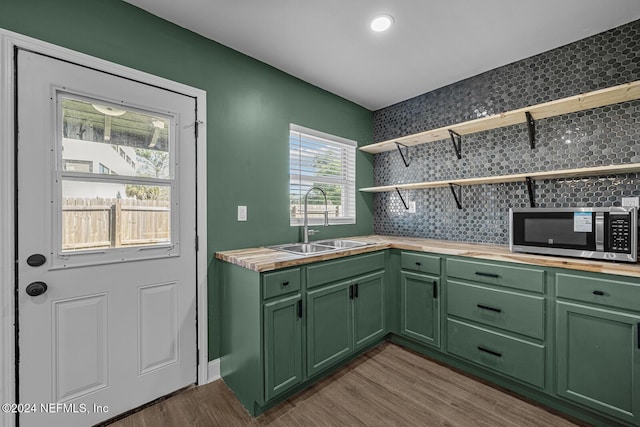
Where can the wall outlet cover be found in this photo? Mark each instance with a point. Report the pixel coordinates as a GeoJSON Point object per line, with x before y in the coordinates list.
{"type": "Point", "coordinates": [412, 207]}
{"type": "Point", "coordinates": [631, 201]}
{"type": "Point", "coordinates": [242, 213]}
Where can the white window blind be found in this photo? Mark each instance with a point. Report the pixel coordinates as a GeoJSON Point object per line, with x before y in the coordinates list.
{"type": "Point", "coordinates": [321, 160]}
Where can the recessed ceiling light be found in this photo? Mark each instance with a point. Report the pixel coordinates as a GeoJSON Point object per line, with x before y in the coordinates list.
{"type": "Point", "coordinates": [381, 23]}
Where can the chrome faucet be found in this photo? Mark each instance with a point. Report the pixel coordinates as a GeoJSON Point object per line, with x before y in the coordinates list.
{"type": "Point", "coordinates": [306, 218]}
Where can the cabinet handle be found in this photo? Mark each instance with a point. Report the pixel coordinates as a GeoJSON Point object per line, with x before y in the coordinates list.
{"type": "Point", "coordinates": [638, 328]}
{"type": "Point", "coordinates": [435, 290]}
{"type": "Point", "coordinates": [355, 287]}
{"type": "Point", "coordinates": [418, 264]}
{"type": "Point", "coordinates": [299, 308]}
{"type": "Point", "coordinates": [486, 350]}
{"type": "Point", "coordinates": [486, 307]}
{"type": "Point", "coordinates": [351, 292]}
{"type": "Point", "coordinates": [600, 293]}
{"type": "Point", "coordinates": [285, 283]}
{"type": "Point", "coordinates": [480, 273]}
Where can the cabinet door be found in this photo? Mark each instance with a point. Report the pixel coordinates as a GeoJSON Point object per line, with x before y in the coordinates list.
{"type": "Point", "coordinates": [420, 308]}
{"type": "Point", "coordinates": [599, 359]}
{"type": "Point", "coordinates": [282, 345]}
{"type": "Point", "coordinates": [368, 309]}
{"type": "Point", "coordinates": [329, 326]}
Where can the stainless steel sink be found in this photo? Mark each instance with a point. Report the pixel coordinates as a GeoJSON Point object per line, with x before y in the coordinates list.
{"type": "Point", "coordinates": [318, 247]}
{"type": "Point", "coordinates": [342, 243]}
{"type": "Point", "coordinates": [304, 248]}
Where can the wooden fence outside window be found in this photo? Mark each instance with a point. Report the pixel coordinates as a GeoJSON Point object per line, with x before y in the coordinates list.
{"type": "Point", "coordinates": [111, 223]}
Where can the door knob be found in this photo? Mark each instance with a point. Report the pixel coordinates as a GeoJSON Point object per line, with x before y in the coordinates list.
{"type": "Point", "coordinates": [36, 288]}
{"type": "Point", "coordinates": [36, 260]}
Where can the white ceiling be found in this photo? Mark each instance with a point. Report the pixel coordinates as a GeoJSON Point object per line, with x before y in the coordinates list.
{"type": "Point", "coordinates": [433, 43]}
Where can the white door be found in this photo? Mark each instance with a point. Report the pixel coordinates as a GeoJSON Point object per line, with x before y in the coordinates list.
{"type": "Point", "coordinates": [107, 221]}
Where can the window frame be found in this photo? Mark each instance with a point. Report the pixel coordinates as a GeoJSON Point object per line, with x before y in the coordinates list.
{"type": "Point", "coordinates": [348, 183]}
{"type": "Point", "coordinates": [108, 255]}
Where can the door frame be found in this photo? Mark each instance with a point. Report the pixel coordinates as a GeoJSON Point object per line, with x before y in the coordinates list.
{"type": "Point", "coordinates": [9, 40]}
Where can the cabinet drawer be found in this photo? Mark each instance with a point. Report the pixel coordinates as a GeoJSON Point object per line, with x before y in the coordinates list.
{"type": "Point", "coordinates": [614, 293]}
{"type": "Point", "coordinates": [516, 358]}
{"type": "Point", "coordinates": [529, 279]}
{"type": "Point", "coordinates": [280, 282]}
{"type": "Point", "coordinates": [420, 262]}
{"type": "Point", "coordinates": [331, 271]}
{"type": "Point", "coordinates": [523, 314]}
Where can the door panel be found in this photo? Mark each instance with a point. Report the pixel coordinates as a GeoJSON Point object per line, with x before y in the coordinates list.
{"type": "Point", "coordinates": [599, 359]}
{"type": "Point", "coordinates": [368, 309]}
{"type": "Point", "coordinates": [80, 365]}
{"type": "Point", "coordinates": [158, 323]}
{"type": "Point", "coordinates": [329, 326]}
{"type": "Point", "coordinates": [420, 308]}
{"type": "Point", "coordinates": [283, 345]}
{"type": "Point", "coordinates": [116, 326]}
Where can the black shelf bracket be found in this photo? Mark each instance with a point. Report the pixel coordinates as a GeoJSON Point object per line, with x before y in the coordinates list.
{"type": "Point", "coordinates": [405, 159]}
{"type": "Point", "coordinates": [456, 139]}
{"type": "Point", "coordinates": [402, 198]}
{"type": "Point", "coordinates": [457, 195]}
{"type": "Point", "coordinates": [530, 189]}
{"type": "Point", "coordinates": [531, 126]}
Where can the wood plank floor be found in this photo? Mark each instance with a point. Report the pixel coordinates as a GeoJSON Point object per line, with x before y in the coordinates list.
{"type": "Point", "coordinates": [388, 386]}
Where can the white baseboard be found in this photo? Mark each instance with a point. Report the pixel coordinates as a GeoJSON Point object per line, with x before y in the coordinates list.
{"type": "Point", "coordinates": [213, 370]}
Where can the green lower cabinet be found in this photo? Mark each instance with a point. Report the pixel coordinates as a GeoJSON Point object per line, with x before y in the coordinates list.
{"type": "Point", "coordinates": [516, 358]}
{"type": "Point", "coordinates": [499, 308]}
{"type": "Point", "coordinates": [368, 309]}
{"type": "Point", "coordinates": [420, 308]}
{"type": "Point", "coordinates": [329, 326]}
{"type": "Point", "coordinates": [283, 345]}
{"type": "Point", "coordinates": [599, 359]}
{"type": "Point", "coordinates": [282, 330]}
{"type": "Point", "coordinates": [342, 318]}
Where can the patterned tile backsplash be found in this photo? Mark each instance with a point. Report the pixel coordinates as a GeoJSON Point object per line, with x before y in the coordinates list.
{"type": "Point", "coordinates": [596, 137]}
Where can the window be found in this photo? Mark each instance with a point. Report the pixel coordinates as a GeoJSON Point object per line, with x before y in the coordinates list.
{"type": "Point", "coordinates": [321, 160]}
{"type": "Point", "coordinates": [85, 166]}
{"type": "Point", "coordinates": [125, 201]}
{"type": "Point", "coordinates": [103, 169]}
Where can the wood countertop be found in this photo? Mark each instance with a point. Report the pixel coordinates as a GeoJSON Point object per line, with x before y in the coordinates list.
{"type": "Point", "coordinates": [265, 259]}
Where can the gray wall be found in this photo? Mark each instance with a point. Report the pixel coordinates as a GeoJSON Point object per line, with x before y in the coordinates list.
{"type": "Point", "coordinates": [601, 136]}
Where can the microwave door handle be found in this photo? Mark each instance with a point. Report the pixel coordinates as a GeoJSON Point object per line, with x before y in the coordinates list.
{"type": "Point", "coordinates": [599, 232]}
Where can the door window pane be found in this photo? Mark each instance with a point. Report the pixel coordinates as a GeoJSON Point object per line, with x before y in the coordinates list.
{"type": "Point", "coordinates": [78, 166]}
{"type": "Point", "coordinates": [124, 142]}
{"type": "Point", "coordinates": [99, 215]}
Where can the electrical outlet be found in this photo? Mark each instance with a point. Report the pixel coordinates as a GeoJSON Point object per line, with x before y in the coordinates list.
{"type": "Point", "coordinates": [631, 201]}
{"type": "Point", "coordinates": [242, 213]}
{"type": "Point", "coordinates": [412, 207]}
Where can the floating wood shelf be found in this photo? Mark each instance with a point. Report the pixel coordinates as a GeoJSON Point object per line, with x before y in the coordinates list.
{"type": "Point", "coordinates": [572, 104]}
{"type": "Point", "coordinates": [566, 173]}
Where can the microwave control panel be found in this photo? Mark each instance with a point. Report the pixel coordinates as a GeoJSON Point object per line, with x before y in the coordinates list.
{"type": "Point", "coordinates": [620, 233]}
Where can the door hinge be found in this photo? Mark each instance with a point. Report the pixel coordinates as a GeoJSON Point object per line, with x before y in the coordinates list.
{"type": "Point", "coordinates": [197, 243]}
{"type": "Point", "coordinates": [196, 127]}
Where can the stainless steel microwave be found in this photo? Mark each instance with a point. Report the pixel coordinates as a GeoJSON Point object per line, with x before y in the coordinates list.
{"type": "Point", "coordinates": [600, 233]}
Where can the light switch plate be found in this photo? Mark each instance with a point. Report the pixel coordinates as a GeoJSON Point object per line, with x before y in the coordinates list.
{"type": "Point", "coordinates": [631, 201]}
{"type": "Point", "coordinates": [412, 207]}
{"type": "Point", "coordinates": [242, 213]}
